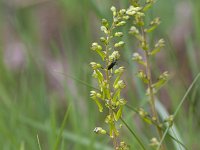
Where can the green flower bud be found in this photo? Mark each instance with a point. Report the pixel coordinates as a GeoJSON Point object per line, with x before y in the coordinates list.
{"type": "Point", "coordinates": [99, 130]}
{"type": "Point", "coordinates": [144, 45]}
{"type": "Point", "coordinates": [133, 30]}
{"type": "Point", "coordinates": [96, 47]}
{"type": "Point", "coordinates": [122, 12]}
{"type": "Point", "coordinates": [137, 57]}
{"type": "Point", "coordinates": [164, 76]}
{"type": "Point", "coordinates": [121, 23]}
{"type": "Point", "coordinates": [154, 142]}
{"type": "Point", "coordinates": [94, 74]}
{"type": "Point", "coordinates": [148, 4]}
{"type": "Point", "coordinates": [123, 146]}
{"type": "Point", "coordinates": [170, 120]}
{"type": "Point", "coordinates": [94, 65]}
{"type": "Point", "coordinates": [132, 10]}
{"type": "Point", "coordinates": [105, 23]}
{"type": "Point", "coordinates": [122, 101]}
{"type": "Point", "coordinates": [108, 119]}
{"type": "Point", "coordinates": [103, 40]}
{"type": "Point", "coordinates": [104, 29]}
{"type": "Point", "coordinates": [113, 9]}
{"type": "Point", "coordinates": [142, 113]}
{"type": "Point", "coordinates": [119, 70]}
{"type": "Point", "coordinates": [126, 17]}
{"type": "Point", "coordinates": [114, 56]}
{"type": "Point", "coordinates": [93, 94]}
{"type": "Point", "coordinates": [143, 76]}
{"type": "Point", "coordinates": [160, 44]}
{"type": "Point", "coordinates": [119, 44]}
{"type": "Point", "coordinates": [120, 84]}
{"type": "Point", "coordinates": [118, 34]}
{"type": "Point", "coordinates": [156, 22]}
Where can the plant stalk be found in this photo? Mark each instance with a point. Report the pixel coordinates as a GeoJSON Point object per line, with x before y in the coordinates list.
{"type": "Point", "coordinates": [151, 92]}
{"type": "Point", "coordinates": [115, 143]}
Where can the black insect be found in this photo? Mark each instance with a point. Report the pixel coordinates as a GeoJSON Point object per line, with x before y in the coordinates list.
{"type": "Point", "coordinates": [112, 64]}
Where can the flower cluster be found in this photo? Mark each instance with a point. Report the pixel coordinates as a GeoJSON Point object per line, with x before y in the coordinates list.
{"type": "Point", "coordinates": [109, 76]}
{"type": "Point", "coordinates": [140, 31]}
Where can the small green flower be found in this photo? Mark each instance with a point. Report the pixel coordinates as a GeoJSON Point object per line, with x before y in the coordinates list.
{"type": "Point", "coordinates": [121, 23]}
{"type": "Point", "coordinates": [154, 142]}
{"type": "Point", "coordinates": [160, 43]}
{"type": "Point", "coordinates": [105, 23]}
{"type": "Point", "coordinates": [120, 70]}
{"type": "Point", "coordinates": [104, 40]}
{"type": "Point", "coordinates": [94, 65]}
{"type": "Point", "coordinates": [122, 12]}
{"type": "Point", "coordinates": [155, 22]}
{"type": "Point", "coordinates": [137, 57]}
{"type": "Point", "coordinates": [96, 46]}
{"type": "Point", "coordinates": [118, 34]}
{"type": "Point", "coordinates": [132, 10]}
{"type": "Point", "coordinates": [170, 120]}
{"type": "Point", "coordinates": [122, 101]}
{"type": "Point", "coordinates": [99, 130]}
{"type": "Point", "coordinates": [133, 30]}
{"type": "Point", "coordinates": [114, 56]}
{"type": "Point", "coordinates": [104, 29]}
{"type": "Point", "coordinates": [143, 76]}
{"type": "Point", "coordinates": [123, 146]}
{"type": "Point", "coordinates": [120, 84]}
{"type": "Point", "coordinates": [113, 9]}
{"type": "Point", "coordinates": [94, 94]}
{"type": "Point", "coordinates": [119, 44]}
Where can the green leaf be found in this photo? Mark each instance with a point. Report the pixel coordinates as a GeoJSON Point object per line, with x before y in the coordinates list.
{"type": "Point", "coordinates": [62, 128]}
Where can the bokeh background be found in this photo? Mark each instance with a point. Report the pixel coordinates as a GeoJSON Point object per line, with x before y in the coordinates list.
{"type": "Point", "coordinates": [44, 69]}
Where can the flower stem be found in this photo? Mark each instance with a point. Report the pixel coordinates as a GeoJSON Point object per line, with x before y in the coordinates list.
{"type": "Point", "coordinates": [115, 143]}
{"type": "Point", "coordinates": [151, 92]}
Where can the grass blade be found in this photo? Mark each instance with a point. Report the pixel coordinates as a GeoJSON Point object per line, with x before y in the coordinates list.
{"type": "Point", "coordinates": [186, 94]}
{"type": "Point", "coordinates": [38, 140]}
{"type": "Point", "coordinates": [67, 135]}
{"type": "Point", "coordinates": [168, 134]}
{"type": "Point", "coordinates": [79, 81]}
{"type": "Point", "coordinates": [179, 106]}
{"type": "Point", "coordinates": [61, 129]}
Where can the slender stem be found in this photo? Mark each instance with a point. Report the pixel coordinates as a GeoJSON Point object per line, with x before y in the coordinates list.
{"type": "Point", "coordinates": [179, 106]}
{"type": "Point", "coordinates": [151, 92]}
{"type": "Point", "coordinates": [152, 99]}
{"type": "Point", "coordinates": [115, 143]}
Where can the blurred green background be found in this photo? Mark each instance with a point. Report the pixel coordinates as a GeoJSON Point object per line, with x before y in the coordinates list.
{"type": "Point", "coordinates": [44, 65]}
